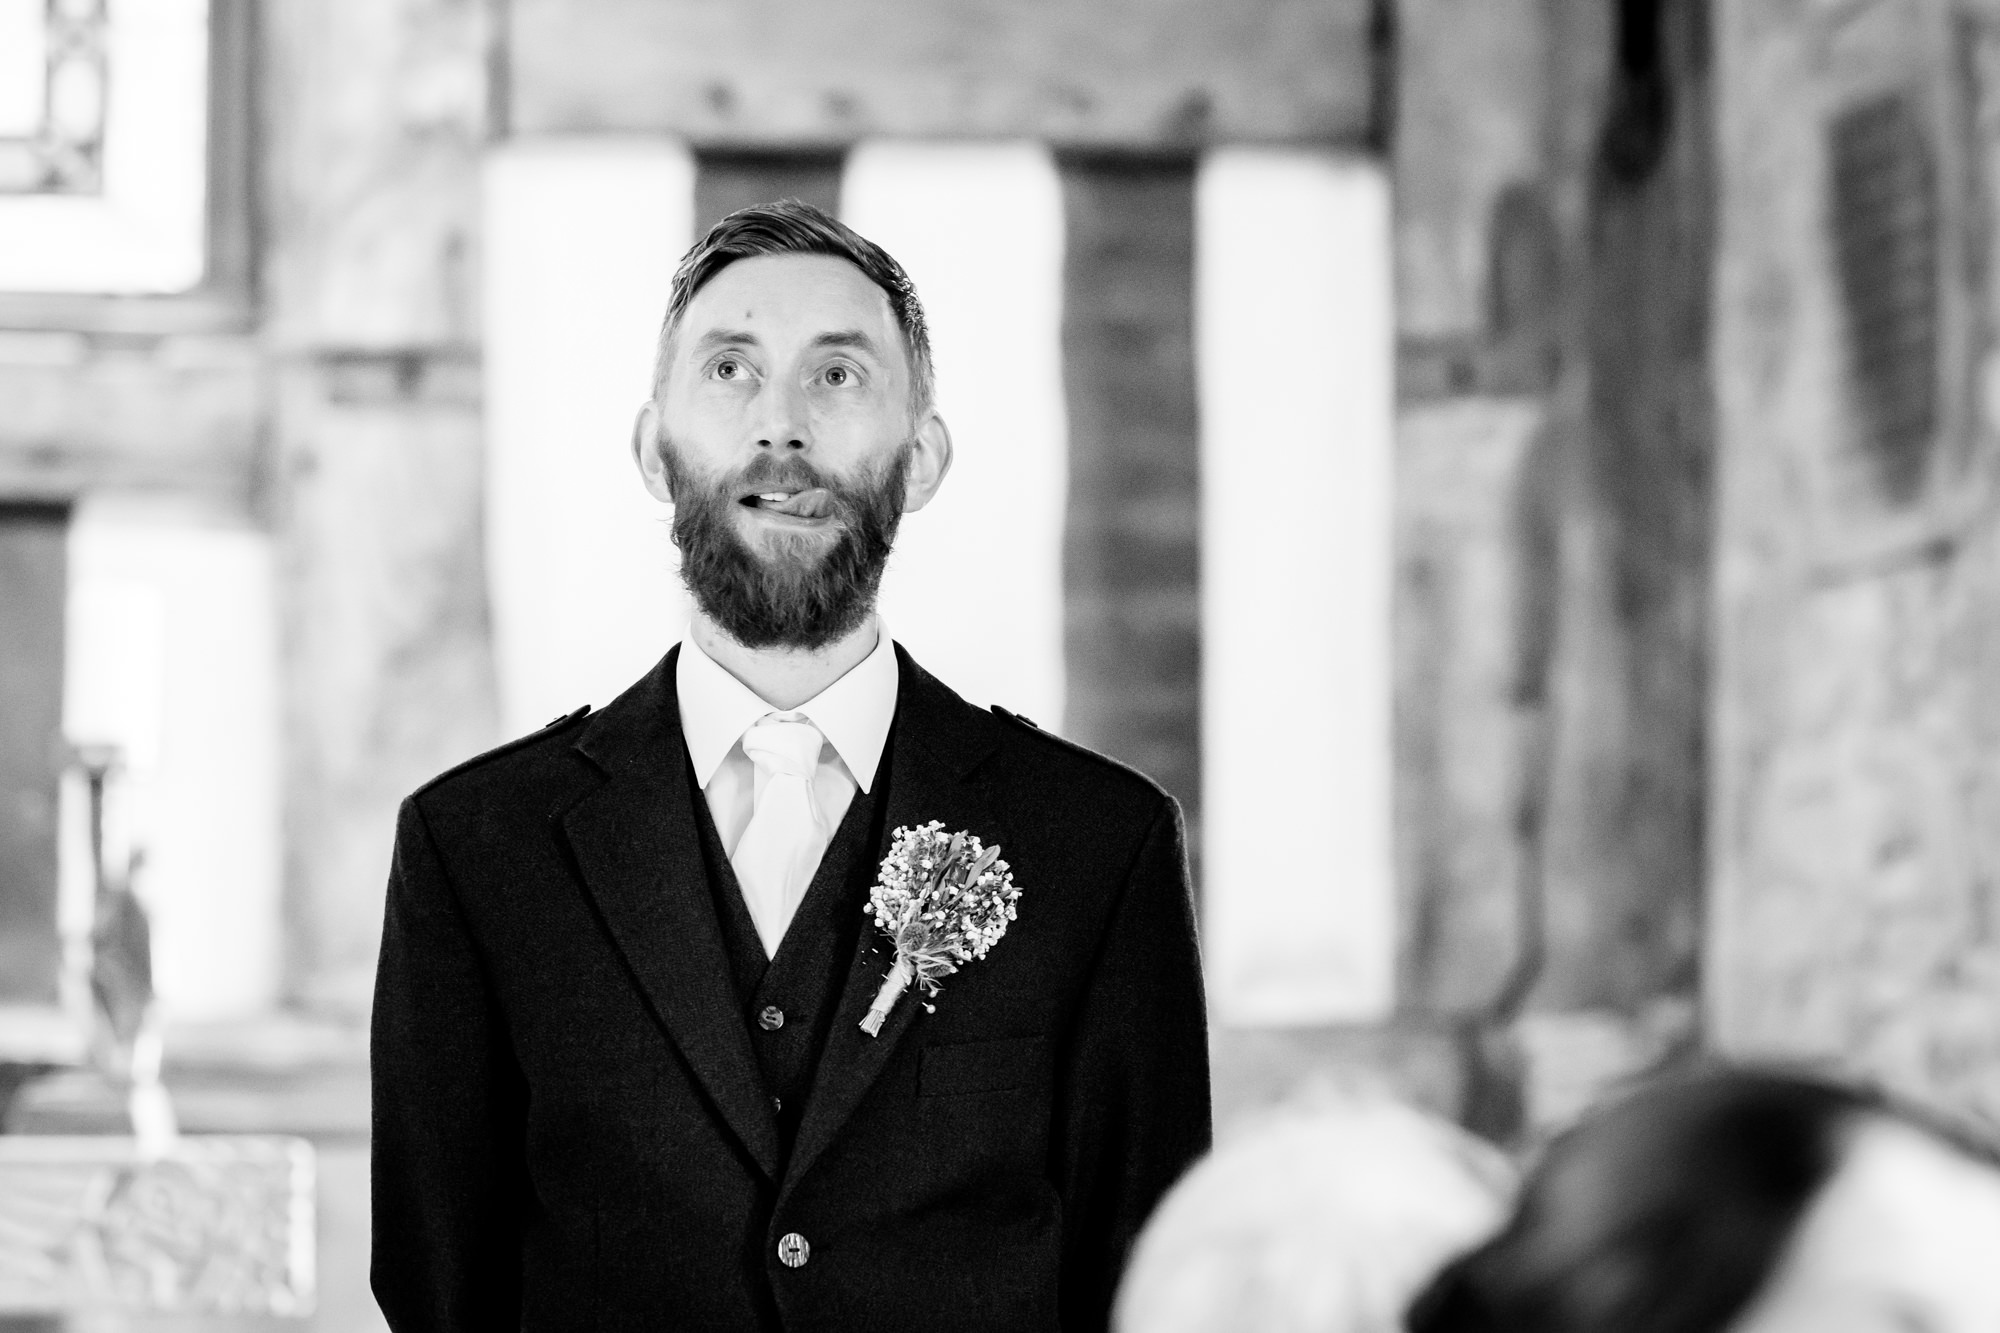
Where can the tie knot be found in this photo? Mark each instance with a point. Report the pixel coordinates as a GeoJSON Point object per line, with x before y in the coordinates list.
{"type": "Point", "coordinates": [786, 747]}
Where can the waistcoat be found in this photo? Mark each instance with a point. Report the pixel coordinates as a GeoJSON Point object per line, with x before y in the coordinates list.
{"type": "Point", "coordinates": [788, 1001]}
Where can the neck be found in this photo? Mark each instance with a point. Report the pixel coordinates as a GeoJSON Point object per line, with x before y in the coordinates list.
{"type": "Point", "coordinates": [785, 677]}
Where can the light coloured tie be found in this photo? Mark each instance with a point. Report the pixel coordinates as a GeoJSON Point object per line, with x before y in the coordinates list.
{"type": "Point", "coordinates": [787, 834]}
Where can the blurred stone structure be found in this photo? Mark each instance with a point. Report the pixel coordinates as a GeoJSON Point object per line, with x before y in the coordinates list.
{"type": "Point", "coordinates": [1555, 173]}
{"type": "Point", "coordinates": [374, 115]}
{"type": "Point", "coordinates": [1855, 747]}
{"type": "Point", "coordinates": [1696, 607]}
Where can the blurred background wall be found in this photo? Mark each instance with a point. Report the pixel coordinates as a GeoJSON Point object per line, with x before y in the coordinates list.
{"type": "Point", "coordinates": [1520, 471]}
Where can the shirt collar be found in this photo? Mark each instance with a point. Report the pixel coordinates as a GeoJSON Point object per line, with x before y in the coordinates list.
{"type": "Point", "coordinates": [853, 713]}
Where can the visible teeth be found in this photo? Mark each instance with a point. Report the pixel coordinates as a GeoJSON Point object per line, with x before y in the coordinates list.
{"type": "Point", "coordinates": [776, 497]}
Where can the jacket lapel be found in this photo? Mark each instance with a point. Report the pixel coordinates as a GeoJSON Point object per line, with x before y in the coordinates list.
{"type": "Point", "coordinates": [638, 850]}
{"type": "Point", "coordinates": [937, 745]}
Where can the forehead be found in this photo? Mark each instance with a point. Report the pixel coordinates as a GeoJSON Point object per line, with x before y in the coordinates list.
{"type": "Point", "coordinates": [797, 295]}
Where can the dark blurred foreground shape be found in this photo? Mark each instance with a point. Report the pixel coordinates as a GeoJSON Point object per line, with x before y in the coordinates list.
{"type": "Point", "coordinates": [1729, 1199]}
{"type": "Point", "coordinates": [1739, 1201]}
{"type": "Point", "coordinates": [1695, 606]}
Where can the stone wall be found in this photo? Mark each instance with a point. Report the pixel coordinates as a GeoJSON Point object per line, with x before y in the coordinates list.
{"type": "Point", "coordinates": [1856, 851]}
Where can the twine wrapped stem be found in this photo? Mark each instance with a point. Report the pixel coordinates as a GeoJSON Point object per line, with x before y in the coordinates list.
{"type": "Point", "coordinates": [893, 987]}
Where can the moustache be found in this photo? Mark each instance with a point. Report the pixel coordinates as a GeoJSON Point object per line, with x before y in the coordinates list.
{"type": "Point", "coordinates": [807, 491]}
{"type": "Point", "coordinates": [813, 491]}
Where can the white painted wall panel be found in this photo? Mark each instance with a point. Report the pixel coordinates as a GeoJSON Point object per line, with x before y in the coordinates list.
{"type": "Point", "coordinates": [1294, 346]}
{"type": "Point", "coordinates": [172, 654]}
{"type": "Point", "coordinates": [582, 237]}
{"type": "Point", "coordinates": [975, 587]}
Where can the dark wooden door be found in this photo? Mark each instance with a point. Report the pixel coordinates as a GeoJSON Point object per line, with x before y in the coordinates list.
{"type": "Point", "coordinates": [33, 576]}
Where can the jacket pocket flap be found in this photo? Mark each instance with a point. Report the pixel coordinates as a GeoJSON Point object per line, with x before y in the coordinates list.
{"type": "Point", "coordinates": [983, 1066]}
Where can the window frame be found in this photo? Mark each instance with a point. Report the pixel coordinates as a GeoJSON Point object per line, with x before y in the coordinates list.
{"type": "Point", "coordinates": [224, 300]}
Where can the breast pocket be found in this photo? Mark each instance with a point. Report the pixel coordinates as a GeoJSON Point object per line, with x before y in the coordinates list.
{"type": "Point", "coordinates": [985, 1109]}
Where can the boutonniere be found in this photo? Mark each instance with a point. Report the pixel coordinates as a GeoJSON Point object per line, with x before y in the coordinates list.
{"type": "Point", "coordinates": [943, 900]}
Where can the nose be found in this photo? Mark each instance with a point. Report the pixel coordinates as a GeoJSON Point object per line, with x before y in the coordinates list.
{"type": "Point", "coordinates": [782, 423]}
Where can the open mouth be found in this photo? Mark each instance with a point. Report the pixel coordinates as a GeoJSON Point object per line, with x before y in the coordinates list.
{"type": "Point", "coordinates": [807, 504]}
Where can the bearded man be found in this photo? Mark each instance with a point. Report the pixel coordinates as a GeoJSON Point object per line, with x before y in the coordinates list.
{"type": "Point", "coordinates": [635, 1062]}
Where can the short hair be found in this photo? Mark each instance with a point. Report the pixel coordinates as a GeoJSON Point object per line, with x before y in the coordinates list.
{"type": "Point", "coordinates": [793, 227]}
{"type": "Point", "coordinates": [1665, 1212]}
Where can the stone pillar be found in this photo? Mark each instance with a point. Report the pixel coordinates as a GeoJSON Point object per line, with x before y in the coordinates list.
{"type": "Point", "coordinates": [1552, 188]}
{"type": "Point", "coordinates": [376, 116]}
{"type": "Point", "coordinates": [1474, 378]}
{"type": "Point", "coordinates": [1855, 856]}
{"type": "Point", "coordinates": [1625, 935]}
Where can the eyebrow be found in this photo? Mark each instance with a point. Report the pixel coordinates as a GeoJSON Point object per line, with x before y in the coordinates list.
{"type": "Point", "coordinates": [723, 338]}
{"type": "Point", "coordinates": [853, 338]}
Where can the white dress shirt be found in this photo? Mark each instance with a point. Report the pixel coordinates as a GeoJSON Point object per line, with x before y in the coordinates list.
{"type": "Point", "coordinates": [853, 714]}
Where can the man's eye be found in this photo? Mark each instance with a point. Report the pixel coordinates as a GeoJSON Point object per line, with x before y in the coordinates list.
{"type": "Point", "coordinates": [727, 369]}
{"type": "Point", "coordinates": [839, 376]}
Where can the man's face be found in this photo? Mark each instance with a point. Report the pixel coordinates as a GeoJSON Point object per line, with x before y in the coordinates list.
{"type": "Point", "coordinates": [784, 437]}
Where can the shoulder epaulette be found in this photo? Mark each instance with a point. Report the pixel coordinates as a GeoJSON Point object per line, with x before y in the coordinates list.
{"type": "Point", "coordinates": [508, 747]}
{"type": "Point", "coordinates": [1022, 718]}
{"type": "Point", "coordinates": [561, 719]}
{"type": "Point", "coordinates": [1074, 747]}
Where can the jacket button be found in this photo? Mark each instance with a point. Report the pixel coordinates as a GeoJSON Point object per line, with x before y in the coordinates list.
{"type": "Point", "coordinates": [770, 1018]}
{"type": "Point", "coordinates": [793, 1250]}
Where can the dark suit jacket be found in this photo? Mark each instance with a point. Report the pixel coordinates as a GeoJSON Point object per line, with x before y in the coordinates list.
{"type": "Point", "coordinates": [569, 1126]}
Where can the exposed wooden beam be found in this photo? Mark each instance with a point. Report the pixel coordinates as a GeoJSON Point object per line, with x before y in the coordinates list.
{"type": "Point", "coordinates": [156, 416]}
{"type": "Point", "coordinates": [1087, 73]}
{"type": "Point", "coordinates": [726, 181]}
{"type": "Point", "coordinates": [1131, 567]}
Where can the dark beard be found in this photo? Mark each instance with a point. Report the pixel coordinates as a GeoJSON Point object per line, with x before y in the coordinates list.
{"type": "Point", "coordinates": [791, 599]}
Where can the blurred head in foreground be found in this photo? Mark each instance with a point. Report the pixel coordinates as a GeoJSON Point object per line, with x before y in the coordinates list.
{"type": "Point", "coordinates": [1741, 1201]}
{"type": "Point", "coordinates": [1320, 1220]}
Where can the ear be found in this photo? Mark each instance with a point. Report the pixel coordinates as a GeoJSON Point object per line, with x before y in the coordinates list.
{"type": "Point", "coordinates": [930, 459]}
{"type": "Point", "coordinates": [647, 447]}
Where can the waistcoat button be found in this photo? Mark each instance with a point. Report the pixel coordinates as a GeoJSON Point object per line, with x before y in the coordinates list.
{"type": "Point", "coordinates": [770, 1018]}
{"type": "Point", "coordinates": [793, 1250]}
